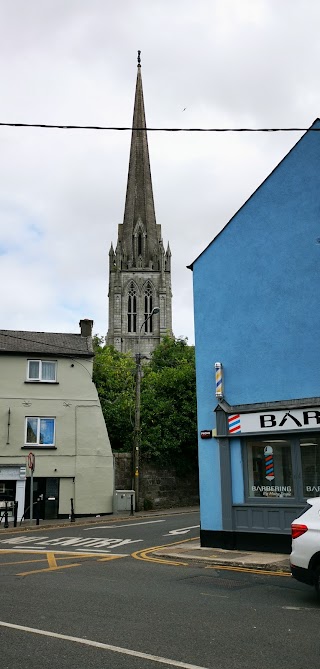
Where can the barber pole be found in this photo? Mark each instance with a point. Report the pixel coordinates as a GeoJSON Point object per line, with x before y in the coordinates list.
{"type": "Point", "coordinates": [219, 384]}
{"type": "Point", "coordinates": [268, 458]}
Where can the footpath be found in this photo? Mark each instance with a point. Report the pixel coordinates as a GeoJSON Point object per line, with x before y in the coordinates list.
{"type": "Point", "coordinates": [187, 549]}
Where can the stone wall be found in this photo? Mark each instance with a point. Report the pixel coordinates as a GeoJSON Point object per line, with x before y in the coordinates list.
{"type": "Point", "coordinates": [160, 488]}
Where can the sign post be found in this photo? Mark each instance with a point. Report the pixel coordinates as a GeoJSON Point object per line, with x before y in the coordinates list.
{"type": "Point", "coordinates": [31, 465]}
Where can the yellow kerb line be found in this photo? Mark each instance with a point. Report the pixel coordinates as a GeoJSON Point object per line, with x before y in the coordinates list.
{"type": "Point", "coordinates": [248, 570]}
{"type": "Point", "coordinates": [144, 554]}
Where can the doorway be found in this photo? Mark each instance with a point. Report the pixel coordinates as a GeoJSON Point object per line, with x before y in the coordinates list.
{"type": "Point", "coordinates": [45, 498]}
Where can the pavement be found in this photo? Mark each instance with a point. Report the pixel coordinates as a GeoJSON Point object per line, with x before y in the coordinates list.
{"type": "Point", "coordinates": [188, 549]}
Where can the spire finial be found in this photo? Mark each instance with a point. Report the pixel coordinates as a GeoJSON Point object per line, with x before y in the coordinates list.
{"type": "Point", "coordinates": [139, 59]}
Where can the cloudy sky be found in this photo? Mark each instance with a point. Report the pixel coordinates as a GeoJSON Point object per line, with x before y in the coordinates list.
{"type": "Point", "coordinates": [205, 63]}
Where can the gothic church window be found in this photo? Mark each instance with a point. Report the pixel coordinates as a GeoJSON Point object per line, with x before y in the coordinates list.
{"type": "Point", "coordinates": [148, 306]}
{"type": "Point", "coordinates": [132, 309]}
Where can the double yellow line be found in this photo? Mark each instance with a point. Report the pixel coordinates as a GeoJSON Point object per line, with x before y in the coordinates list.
{"type": "Point", "coordinates": [146, 555]}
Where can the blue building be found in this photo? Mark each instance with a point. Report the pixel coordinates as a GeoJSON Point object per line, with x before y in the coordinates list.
{"type": "Point", "coordinates": [257, 335]}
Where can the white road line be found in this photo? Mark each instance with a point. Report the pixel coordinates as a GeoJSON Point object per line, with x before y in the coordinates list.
{"type": "Point", "coordinates": [182, 530]}
{"type": "Point", "coordinates": [104, 646]}
{"type": "Point", "coordinates": [115, 527]}
{"type": "Point", "coordinates": [300, 608]}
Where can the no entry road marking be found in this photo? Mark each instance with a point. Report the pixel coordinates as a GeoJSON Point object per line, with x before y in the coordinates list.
{"type": "Point", "coordinates": [103, 646]}
{"type": "Point", "coordinates": [72, 542]}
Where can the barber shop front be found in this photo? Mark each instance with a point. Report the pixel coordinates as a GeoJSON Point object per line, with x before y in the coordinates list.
{"type": "Point", "coordinates": [269, 466]}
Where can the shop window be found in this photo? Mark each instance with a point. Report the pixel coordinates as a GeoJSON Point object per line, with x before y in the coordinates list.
{"type": "Point", "coordinates": [270, 469]}
{"type": "Point", "coordinates": [42, 370]}
{"type": "Point", "coordinates": [310, 462]}
{"type": "Point", "coordinates": [40, 431]}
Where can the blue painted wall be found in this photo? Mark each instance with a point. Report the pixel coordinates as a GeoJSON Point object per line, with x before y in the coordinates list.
{"type": "Point", "coordinates": [256, 304]}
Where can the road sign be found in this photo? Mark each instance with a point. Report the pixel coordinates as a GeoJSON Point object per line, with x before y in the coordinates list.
{"type": "Point", "coordinates": [31, 461]}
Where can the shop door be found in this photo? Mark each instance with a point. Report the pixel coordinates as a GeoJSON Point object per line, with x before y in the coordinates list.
{"type": "Point", "coordinates": [51, 501]}
{"type": "Point", "coordinates": [45, 495]}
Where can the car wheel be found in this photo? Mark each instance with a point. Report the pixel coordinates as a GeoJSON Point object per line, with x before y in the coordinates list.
{"type": "Point", "coordinates": [317, 581]}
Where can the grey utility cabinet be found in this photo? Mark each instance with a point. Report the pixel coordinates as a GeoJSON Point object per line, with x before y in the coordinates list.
{"type": "Point", "coordinates": [122, 501]}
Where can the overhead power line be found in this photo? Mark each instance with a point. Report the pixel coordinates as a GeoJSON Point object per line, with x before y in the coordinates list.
{"type": "Point", "coordinates": [103, 127]}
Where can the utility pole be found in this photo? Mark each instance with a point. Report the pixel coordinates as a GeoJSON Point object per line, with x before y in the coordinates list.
{"type": "Point", "coordinates": [137, 419]}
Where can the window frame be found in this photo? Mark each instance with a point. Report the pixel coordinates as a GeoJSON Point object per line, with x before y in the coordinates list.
{"type": "Point", "coordinates": [148, 308]}
{"type": "Point", "coordinates": [40, 379]}
{"type": "Point", "coordinates": [132, 309]}
{"type": "Point", "coordinates": [296, 462]}
{"type": "Point", "coordinates": [37, 444]}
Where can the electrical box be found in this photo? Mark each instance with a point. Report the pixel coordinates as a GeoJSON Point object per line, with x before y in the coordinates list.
{"type": "Point", "coordinates": [124, 500]}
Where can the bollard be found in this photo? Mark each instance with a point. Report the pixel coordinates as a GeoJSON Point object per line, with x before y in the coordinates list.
{"type": "Point", "coordinates": [15, 514]}
{"type": "Point", "coordinates": [38, 511]}
{"type": "Point", "coordinates": [72, 516]}
{"type": "Point", "coordinates": [6, 523]}
{"type": "Point", "coordinates": [131, 505]}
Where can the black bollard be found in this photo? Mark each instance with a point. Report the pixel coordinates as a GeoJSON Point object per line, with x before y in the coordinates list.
{"type": "Point", "coordinates": [72, 516]}
{"type": "Point", "coordinates": [38, 511]}
{"type": "Point", "coordinates": [15, 514]}
{"type": "Point", "coordinates": [131, 505]}
{"type": "Point", "coordinates": [6, 523]}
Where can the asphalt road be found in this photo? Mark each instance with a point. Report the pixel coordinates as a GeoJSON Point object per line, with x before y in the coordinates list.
{"type": "Point", "coordinates": [85, 608]}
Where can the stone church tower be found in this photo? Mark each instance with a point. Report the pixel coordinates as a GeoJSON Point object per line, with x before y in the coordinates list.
{"type": "Point", "coordinates": [139, 267]}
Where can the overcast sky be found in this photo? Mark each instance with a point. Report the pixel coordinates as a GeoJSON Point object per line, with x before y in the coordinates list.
{"type": "Point", "coordinates": [205, 63]}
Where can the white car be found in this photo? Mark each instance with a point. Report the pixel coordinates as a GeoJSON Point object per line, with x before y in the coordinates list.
{"type": "Point", "coordinates": [305, 554]}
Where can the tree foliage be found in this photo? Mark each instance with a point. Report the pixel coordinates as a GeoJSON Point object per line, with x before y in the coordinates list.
{"type": "Point", "coordinates": [114, 376]}
{"type": "Point", "coordinates": [168, 401]}
{"type": "Point", "coordinates": [168, 405]}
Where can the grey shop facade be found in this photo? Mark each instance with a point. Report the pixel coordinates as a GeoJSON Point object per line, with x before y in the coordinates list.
{"type": "Point", "coordinates": [269, 467]}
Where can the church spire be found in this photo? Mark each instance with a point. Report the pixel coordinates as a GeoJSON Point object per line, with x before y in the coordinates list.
{"type": "Point", "coordinates": [139, 267]}
{"type": "Point", "coordinates": [139, 233]}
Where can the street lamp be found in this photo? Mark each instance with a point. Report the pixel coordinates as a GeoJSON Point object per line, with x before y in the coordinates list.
{"type": "Point", "coordinates": [137, 423]}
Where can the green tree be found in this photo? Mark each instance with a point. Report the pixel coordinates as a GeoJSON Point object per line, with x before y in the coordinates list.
{"type": "Point", "coordinates": [168, 405]}
{"type": "Point", "coordinates": [168, 401]}
{"type": "Point", "coordinates": [114, 376]}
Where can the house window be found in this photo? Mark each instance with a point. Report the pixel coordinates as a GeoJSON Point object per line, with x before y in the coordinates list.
{"type": "Point", "coordinates": [40, 431]}
{"type": "Point", "coordinates": [148, 308]}
{"type": "Point", "coordinates": [270, 469]}
{"type": "Point", "coordinates": [42, 370]}
{"type": "Point", "coordinates": [132, 309]}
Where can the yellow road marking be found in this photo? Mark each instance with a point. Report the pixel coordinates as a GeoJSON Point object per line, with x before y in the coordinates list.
{"type": "Point", "coordinates": [144, 553]}
{"type": "Point", "coordinates": [59, 557]}
{"type": "Point", "coordinates": [38, 571]}
{"type": "Point", "coordinates": [110, 557]}
{"type": "Point", "coordinates": [5, 564]}
{"type": "Point", "coordinates": [248, 570]}
{"type": "Point", "coordinates": [51, 560]}
{"type": "Point", "coordinates": [44, 552]}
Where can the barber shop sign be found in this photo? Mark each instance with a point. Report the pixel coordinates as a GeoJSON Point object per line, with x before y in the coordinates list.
{"type": "Point", "coordinates": [274, 421]}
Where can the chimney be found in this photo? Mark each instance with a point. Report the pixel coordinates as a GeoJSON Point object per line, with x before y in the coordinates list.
{"type": "Point", "coordinates": [86, 327]}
